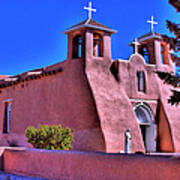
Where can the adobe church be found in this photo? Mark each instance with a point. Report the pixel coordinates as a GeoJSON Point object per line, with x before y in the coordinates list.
{"type": "Point", "coordinates": [95, 95]}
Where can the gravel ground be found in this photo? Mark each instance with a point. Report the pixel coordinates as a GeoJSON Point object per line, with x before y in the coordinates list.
{"type": "Point", "coordinates": [6, 176]}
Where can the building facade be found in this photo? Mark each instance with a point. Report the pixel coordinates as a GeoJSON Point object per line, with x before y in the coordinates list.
{"type": "Point", "coordinates": [98, 97]}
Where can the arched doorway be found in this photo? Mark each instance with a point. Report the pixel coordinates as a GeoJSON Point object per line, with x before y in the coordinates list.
{"type": "Point", "coordinates": [148, 127]}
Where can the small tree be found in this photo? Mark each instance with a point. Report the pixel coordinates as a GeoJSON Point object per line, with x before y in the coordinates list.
{"type": "Point", "coordinates": [50, 137]}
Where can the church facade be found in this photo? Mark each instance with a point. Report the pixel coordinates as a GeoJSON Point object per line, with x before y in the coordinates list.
{"type": "Point", "coordinates": [98, 97]}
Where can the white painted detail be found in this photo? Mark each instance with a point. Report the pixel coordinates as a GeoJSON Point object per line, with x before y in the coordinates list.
{"type": "Point", "coordinates": [10, 79]}
{"type": "Point", "coordinates": [90, 10]}
{"type": "Point", "coordinates": [152, 22]}
{"type": "Point", "coordinates": [91, 26]}
{"type": "Point", "coordinates": [143, 100]}
{"type": "Point", "coordinates": [149, 37]}
{"type": "Point", "coordinates": [8, 100]}
{"type": "Point", "coordinates": [34, 73]}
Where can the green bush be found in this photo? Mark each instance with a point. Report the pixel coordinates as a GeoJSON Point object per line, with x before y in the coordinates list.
{"type": "Point", "coordinates": [50, 137]}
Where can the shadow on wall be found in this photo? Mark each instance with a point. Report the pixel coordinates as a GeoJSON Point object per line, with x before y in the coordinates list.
{"type": "Point", "coordinates": [14, 140]}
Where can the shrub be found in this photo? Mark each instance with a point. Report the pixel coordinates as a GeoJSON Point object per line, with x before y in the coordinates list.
{"type": "Point", "coordinates": [50, 137]}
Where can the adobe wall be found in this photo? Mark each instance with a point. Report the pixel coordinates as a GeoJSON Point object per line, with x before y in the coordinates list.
{"type": "Point", "coordinates": [165, 140]}
{"type": "Point", "coordinates": [128, 78]}
{"type": "Point", "coordinates": [115, 100]}
{"type": "Point", "coordinates": [114, 108]}
{"type": "Point", "coordinates": [73, 165]}
{"type": "Point", "coordinates": [157, 94]}
{"type": "Point", "coordinates": [171, 113]}
{"type": "Point", "coordinates": [64, 98]}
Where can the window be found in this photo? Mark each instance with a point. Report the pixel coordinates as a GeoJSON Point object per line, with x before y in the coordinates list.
{"type": "Point", "coordinates": [164, 54]}
{"type": "Point", "coordinates": [145, 53]}
{"type": "Point", "coordinates": [141, 81]}
{"type": "Point", "coordinates": [77, 47]}
{"type": "Point", "coordinates": [7, 117]}
{"type": "Point", "coordinates": [97, 45]}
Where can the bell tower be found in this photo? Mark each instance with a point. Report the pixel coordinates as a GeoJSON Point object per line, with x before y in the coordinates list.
{"type": "Point", "coordinates": [89, 39]}
{"type": "Point", "coordinates": [154, 49]}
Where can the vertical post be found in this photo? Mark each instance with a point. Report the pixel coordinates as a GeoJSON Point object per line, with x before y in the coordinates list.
{"type": "Point", "coordinates": [89, 45]}
{"type": "Point", "coordinates": [107, 45]}
{"type": "Point", "coordinates": [70, 46]}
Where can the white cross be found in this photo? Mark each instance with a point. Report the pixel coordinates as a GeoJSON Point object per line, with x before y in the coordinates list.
{"type": "Point", "coordinates": [152, 22]}
{"type": "Point", "coordinates": [90, 9]}
{"type": "Point", "coordinates": [171, 52]}
{"type": "Point", "coordinates": [136, 44]}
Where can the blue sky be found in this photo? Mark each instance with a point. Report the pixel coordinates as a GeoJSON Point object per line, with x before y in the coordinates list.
{"type": "Point", "coordinates": [31, 30]}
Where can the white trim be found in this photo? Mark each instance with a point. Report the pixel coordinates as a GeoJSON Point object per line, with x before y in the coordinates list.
{"type": "Point", "coordinates": [144, 100]}
{"type": "Point", "coordinates": [73, 28]}
{"type": "Point", "coordinates": [90, 26]}
{"type": "Point", "coordinates": [146, 107]}
{"type": "Point", "coordinates": [149, 37]}
{"type": "Point", "coordinates": [34, 73]}
{"type": "Point", "coordinates": [10, 79]}
{"type": "Point", "coordinates": [151, 65]}
{"type": "Point", "coordinates": [102, 28]}
{"type": "Point", "coordinates": [8, 100]}
{"type": "Point", "coordinates": [145, 124]}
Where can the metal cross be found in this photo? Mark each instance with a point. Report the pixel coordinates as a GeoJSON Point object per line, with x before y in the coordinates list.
{"type": "Point", "coordinates": [152, 22]}
{"type": "Point", "coordinates": [90, 9]}
{"type": "Point", "coordinates": [136, 44]}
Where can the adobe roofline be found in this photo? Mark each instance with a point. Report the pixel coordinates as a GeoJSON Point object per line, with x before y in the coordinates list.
{"type": "Point", "coordinates": [90, 26]}
{"type": "Point", "coordinates": [152, 36]}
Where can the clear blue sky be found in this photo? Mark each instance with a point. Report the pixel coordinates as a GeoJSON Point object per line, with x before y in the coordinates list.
{"type": "Point", "coordinates": [31, 30]}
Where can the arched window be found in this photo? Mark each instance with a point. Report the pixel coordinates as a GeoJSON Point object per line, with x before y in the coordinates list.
{"type": "Point", "coordinates": [143, 115]}
{"type": "Point", "coordinates": [145, 53]}
{"type": "Point", "coordinates": [141, 81]}
{"type": "Point", "coordinates": [7, 117]}
{"type": "Point", "coordinates": [164, 54]}
{"type": "Point", "coordinates": [77, 47]}
{"type": "Point", "coordinates": [97, 45]}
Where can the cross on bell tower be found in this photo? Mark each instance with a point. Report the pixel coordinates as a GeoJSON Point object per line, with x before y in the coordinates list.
{"type": "Point", "coordinates": [136, 44]}
{"type": "Point", "coordinates": [90, 10]}
{"type": "Point", "coordinates": [89, 39]}
{"type": "Point", "coordinates": [152, 22]}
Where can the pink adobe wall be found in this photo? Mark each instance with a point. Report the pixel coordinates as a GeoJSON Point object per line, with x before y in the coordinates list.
{"type": "Point", "coordinates": [63, 98]}
{"type": "Point", "coordinates": [128, 77]}
{"type": "Point", "coordinates": [113, 98]}
{"type": "Point", "coordinates": [73, 165]}
{"type": "Point", "coordinates": [100, 117]}
{"type": "Point", "coordinates": [167, 116]}
{"type": "Point", "coordinates": [171, 113]}
{"type": "Point", "coordinates": [115, 110]}
{"type": "Point", "coordinates": [165, 141]}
